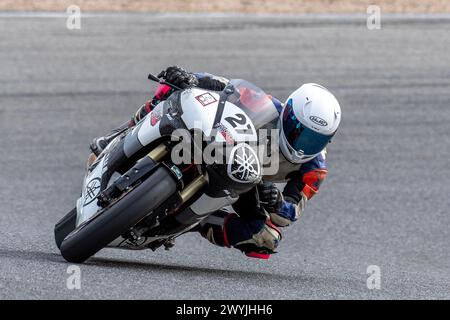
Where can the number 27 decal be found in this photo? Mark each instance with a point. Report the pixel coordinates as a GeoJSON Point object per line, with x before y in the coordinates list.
{"type": "Point", "coordinates": [239, 123]}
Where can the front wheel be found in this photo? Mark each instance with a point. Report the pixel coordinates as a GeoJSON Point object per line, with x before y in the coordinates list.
{"type": "Point", "coordinates": [65, 226]}
{"type": "Point", "coordinates": [115, 221]}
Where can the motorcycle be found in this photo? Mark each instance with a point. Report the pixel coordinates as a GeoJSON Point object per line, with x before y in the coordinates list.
{"type": "Point", "coordinates": [136, 196]}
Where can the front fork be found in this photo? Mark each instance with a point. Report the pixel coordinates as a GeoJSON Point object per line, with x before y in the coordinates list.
{"type": "Point", "coordinates": [161, 223]}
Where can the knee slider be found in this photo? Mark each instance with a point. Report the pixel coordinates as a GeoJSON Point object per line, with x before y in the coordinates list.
{"type": "Point", "coordinates": [269, 237]}
{"type": "Point", "coordinates": [266, 239]}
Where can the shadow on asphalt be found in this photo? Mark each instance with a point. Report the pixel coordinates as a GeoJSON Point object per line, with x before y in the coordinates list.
{"type": "Point", "coordinates": [31, 255]}
{"type": "Point", "coordinates": [132, 265]}
{"type": "Point", "coordinates": [194, 270]}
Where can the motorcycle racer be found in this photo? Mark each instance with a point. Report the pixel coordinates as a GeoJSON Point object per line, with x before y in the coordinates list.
{"type": "Point", "coordinates": [308, 121]}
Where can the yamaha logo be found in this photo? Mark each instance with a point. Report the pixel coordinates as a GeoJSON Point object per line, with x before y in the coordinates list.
{"type": "Point", "coordinates": [92, 190]}
{"type": "Point", "coordinates": [318, 120]}
{"type": "Point", "coordinates": [244, 166]}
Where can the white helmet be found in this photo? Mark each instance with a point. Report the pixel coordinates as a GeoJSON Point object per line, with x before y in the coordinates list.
{"type": "Point", "coordinates": [309, 120]}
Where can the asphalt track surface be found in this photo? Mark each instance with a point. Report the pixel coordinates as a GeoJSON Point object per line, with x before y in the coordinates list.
{"type": "Point", "coordinates": [384, 203]}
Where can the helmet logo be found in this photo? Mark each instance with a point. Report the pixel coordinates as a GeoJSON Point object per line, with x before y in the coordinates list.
{"type": "Point", "coordinates": [318, 120]}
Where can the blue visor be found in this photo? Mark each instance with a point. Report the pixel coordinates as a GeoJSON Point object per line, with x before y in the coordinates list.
{"type": "Point", "coordinates": [299, 137]}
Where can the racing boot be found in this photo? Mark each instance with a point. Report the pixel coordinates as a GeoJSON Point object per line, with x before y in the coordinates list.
{"type": "Point", "coordinates": [99, 144]}
{"type": "Point", "coordinates": [256, 238]}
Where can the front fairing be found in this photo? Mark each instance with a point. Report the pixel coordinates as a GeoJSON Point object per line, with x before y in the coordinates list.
{"type": "Point", "coordinates": [249, 119]}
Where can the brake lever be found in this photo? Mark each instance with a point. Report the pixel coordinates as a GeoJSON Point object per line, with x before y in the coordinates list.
{"type": "Point", "coordinates": [162, 81]}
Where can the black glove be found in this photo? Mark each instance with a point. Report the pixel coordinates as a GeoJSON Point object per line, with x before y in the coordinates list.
{"type": "Point", "coordinates": [209, 83]}
{"type": "Point", "coordinates": [270, 197]}
{"type": "Point", "coordinates": [179, 77]}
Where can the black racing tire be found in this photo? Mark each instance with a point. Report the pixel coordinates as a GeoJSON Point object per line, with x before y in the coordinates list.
{"type": "Point", "coordinates": [65, 226]}
{"type": "Point", "coordinates": [118, 219]}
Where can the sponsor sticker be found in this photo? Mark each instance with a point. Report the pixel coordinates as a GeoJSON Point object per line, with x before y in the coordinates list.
{"type": "Point", "coordinates": [206, 99]}
{"type": "Point", "coordinates": [226, 134]}
{"type": "Point", "coordinates": [156, 115]}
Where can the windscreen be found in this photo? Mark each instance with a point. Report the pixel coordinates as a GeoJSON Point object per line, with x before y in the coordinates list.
{"type": "Point", "coordinates": [254, 102]}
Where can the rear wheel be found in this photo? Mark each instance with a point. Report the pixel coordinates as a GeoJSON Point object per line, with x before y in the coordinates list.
{"type": "Point", "coordinates": [118, 219]}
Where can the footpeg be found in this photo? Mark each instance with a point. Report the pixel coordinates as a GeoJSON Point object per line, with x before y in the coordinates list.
{"type": "Point", "coordinates": [169, 244]}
